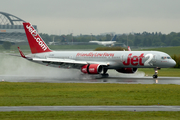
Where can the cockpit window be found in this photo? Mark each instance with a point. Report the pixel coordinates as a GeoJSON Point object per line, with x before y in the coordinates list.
{"type": "Point", "coordinates": [164, 57]}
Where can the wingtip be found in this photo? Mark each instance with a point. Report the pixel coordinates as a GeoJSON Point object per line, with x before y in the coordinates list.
{"type": "Point", "coordinates": [21, 53]}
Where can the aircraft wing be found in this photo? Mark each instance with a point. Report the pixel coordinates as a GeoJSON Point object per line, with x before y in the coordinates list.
{"type": "Point", "coordinates": [64, 63]}
{"type": "Point", "coordinates": [69, 61]}
{"type": "Point", "coordinates": [21, 54]}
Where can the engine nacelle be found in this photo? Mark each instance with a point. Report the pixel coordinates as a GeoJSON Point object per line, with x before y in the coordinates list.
{"type": "Point", "coordinates": [127, 70]}
{"type": "Point", "coordinates": [91, 69]}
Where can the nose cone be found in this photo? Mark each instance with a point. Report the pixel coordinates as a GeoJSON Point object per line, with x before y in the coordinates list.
{"type": "Point", "coordinates": [172, 63]}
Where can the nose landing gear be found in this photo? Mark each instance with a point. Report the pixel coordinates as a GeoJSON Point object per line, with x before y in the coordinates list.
{"type": "Point", "coordinates": [156, 72]}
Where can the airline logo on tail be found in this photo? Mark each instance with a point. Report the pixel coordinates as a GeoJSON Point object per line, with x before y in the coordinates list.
{"type": "Point", "coordinates": [36, 37]}
{"type": "Point", "coordinates": [36, 43]}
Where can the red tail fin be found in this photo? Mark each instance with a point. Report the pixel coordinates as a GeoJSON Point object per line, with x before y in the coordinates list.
{"type": "Point", "coordinates": [36, 43]}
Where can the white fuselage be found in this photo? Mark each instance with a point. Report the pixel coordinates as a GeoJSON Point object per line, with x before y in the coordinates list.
{"type": "Point", "coordinates": [112, 59]}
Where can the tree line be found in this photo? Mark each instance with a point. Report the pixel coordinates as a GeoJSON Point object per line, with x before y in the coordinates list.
{"type": "Point", "coordinates": [133, 39]}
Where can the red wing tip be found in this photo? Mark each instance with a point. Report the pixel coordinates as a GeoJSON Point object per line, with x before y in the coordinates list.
{"type": "Point", "coordinates": [21, 53]}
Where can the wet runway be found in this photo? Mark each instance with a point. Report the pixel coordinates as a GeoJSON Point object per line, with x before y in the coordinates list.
{"type": "Point", "coordinates": [92, 79]}
{"type": "Point", "coordinates": [90, 108]}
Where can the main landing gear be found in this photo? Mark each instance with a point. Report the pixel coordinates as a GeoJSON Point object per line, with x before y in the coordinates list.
{"type": "Point", "coordinates": [105, 75]}
{"type": "Point", "coordinates": [156, 72]}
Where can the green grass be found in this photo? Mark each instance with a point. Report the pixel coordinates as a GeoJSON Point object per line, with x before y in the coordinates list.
{"type": "Point", "coordinates": [165, 72]}
{"type": "Point", "coordinates": [71, 47]}
{"type": "Point", "coordinates": [89, 115]}
{"type": "Point", "coordinates": [52, 94]}
{"type": "Point", "coordinates": [168, 50]}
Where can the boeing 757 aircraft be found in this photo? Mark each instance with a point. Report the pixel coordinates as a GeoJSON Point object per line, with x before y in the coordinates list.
{"type": "Point", "coordinates": [105, 43]}
{"type": "Point", "coordinates": [94, 62]}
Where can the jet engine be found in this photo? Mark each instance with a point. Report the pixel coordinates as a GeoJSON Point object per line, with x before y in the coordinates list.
{"type": "Point", "coordinates": [91, 69]}
{"type": "Point", "coordinates": [127, 70]}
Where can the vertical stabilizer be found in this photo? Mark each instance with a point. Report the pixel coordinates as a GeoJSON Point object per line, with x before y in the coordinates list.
{"type": "Point", "coordinates": [36, 43]}
{"type": "Point", "coordinates": [114, 38]}
{"type": "Point", "coordinates": [129, 49]}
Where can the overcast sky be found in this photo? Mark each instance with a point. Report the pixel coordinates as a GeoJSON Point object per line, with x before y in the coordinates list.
{"type": "Point", "coordinates": [97, 16]}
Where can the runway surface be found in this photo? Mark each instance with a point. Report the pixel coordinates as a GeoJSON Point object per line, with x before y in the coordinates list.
{"type": "Point", "coordinates": [92, 79]}
{"type": "Point", "coordinates": [91, 108]}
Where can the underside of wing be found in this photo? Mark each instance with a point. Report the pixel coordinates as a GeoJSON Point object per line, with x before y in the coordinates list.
{"type": "Point", "coordinates": [67, 63]}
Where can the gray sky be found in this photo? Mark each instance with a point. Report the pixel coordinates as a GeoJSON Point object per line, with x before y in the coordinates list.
{"type": "Point", "coordinates": [97, 16]}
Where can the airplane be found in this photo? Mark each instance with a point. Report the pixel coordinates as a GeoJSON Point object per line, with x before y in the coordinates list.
{"type": "Point", "coordinates": [94, 62]}
{"type": "Point", "coordinates": [53, 43]}
{"type": "Point", "coordinates": [105, 43]}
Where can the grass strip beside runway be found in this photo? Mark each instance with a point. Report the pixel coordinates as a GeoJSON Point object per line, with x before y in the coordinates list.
{"type": "Point", "coordinates": [89, 115]}
{"type": "Point", "coordinates": [164, 72]}
{"type": "Point", "coordinates": [75, 94]}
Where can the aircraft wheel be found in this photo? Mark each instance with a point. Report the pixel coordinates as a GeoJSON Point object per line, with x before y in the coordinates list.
{"type": "Point", "coordinates": [105, 75]}
{"type": "Point", "coordinates": [104, 80]}
{"type": "Point", "coordinates": [155, 76]}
